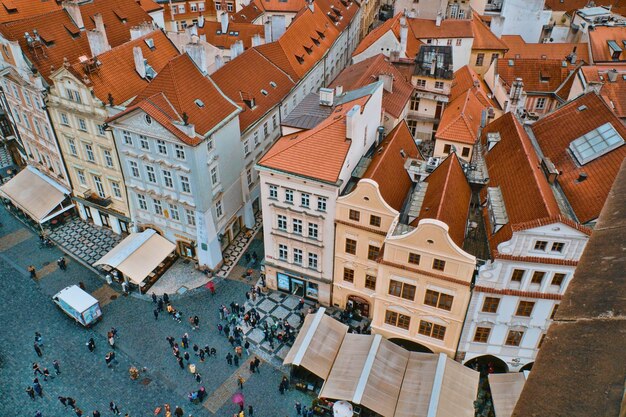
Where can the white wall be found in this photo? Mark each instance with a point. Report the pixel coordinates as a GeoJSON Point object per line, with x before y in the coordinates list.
{"type": "Point", "coordinates": [521, 17]}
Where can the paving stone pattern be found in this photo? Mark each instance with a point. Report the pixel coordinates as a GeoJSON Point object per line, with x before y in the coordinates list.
{"type": "Point", "coordinates": [233, 253]}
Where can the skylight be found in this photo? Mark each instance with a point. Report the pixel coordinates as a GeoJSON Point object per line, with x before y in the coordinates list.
{"type": "Point", "coordinates": [199, 103]}
{"type": "Point", "coordinates": [596, 143]}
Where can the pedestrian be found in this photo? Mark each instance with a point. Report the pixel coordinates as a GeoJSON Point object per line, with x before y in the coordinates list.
{"type": "Point", "coordinates": [186, 356]}
{"type": "Point", "coordinates": [125, 287]}
{"type": "Point", "coordinates": [31, 392]}
{"type": "Point", "coordinates": [238, 350]}
{"type": "Point", "coordinates": [180, 363]}
{"type": "Point", "coordinates": [198, 377]}
{"type": "Point", "coordinates": [226, 330]}
{"type": "Point", "coordinates": [166, 298]}
{"type": "Point", "coordinates": [236, 360]}
{"type": "Point", "coordinates": [231, 340]}
{"type": "Point", "coordinates": [201, 355]}
{"type": "Point", "coordinates": [281, 388]}
{"type": "Point", "coordinates": [178, 412]}
{"type": "Point", "coordinates": [156, 313]}
{"type": "Point", "coordinates": [240, 381]}
{"type": "Point", "coordinates": [71, 402]}
{"type": "Point", "coordinates": [229, 358]}
{"type": "Point", "coordinates": [91, 345]}
{"type": "Point", "coordinates": [39, 339]}
{"type": "Point", "coordinates": [79, 412]}
{"type": "Point", "coordinates": [160, 304]}
{"type": "Point", "coordinates": [38, 414]}
{"type": "Point", "coordinates": [154, 298]}
{"type": "Point", "coordinates": [247, 347]}
{"type": "Point", "coordinates": [46, 374]}
{"type": "Point", "coordinates": [213, 352]}
{"type": "Point", "coordinates": [298, 407]}
{"type": "Point", "coordinates": [56, 366]}
{"type": "Point", "coordinates": [37, 387]}
{"type": "Point", "coordinates": [112, 341]}
{"type": "Point", "coordinates": [38, 349]}
{"type": "Point", "coordinates": [170, 339]}
{"type": "Point", "coordinates": [113, 408]}
{"type": "Point", "coordinates": [250, 411]}
{"type": "Point", "coordinates": [36, 369]}
{"type": "Point", "coordinates": [96, 413]}
{"type": "Point", "coordinates": [32, 271]}
{"type": "Point", "coordinates": [252, 367]}
{"type": "Point", "coordinates": [196, 322]}
{"type": "Point", "coordinates": [185, 340]}
{"type": "Point", "coordinates": [220, 328]}
{"type": "Point", "coordinates": [304, 410]}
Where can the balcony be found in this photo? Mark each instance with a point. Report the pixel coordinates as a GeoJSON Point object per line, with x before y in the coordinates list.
{"type": "Point", "coordinates": [431, 95]}
{"type": "Point", "coordinates": [415, 115]}
{"type": "Point", "coordinates": [96, 199]}
{"type": "Point", "coordinates": [495, 7]}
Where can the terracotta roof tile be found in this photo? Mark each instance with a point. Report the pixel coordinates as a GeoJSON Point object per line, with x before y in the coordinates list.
{"type": "Point", "coordinates": [519, 293]}
{"type": "Point", "coordinates": [555, 132]}
{"type": "Point", "coordinates": [447, 198]}
{"type": "Point", "coordinates": [525, 190]}
{"type": "Point", "coordinates": [22, 9]}
{"type": "Point", "coordinates": [247, 75]}
{"type": "Point", "coordinates": [367, 71]}
{"type": "Point", "coordinates": [484, 38]}
{"type": "Point", "coordinates": [118, 16]}
{"type": "Point", "coordinates": [338, 12]}
{"type": "Point", "coordinates": [613, 93]}
{"type": "Point", "coordinates": [461, 118]}
{"type": "Point", "coordinates": [464, 79]}
{"type": "Point", "coordinates": [149, 5]}
{"type": "Point", "coordinates": [449, 28]}
{"type": "Point", "coordinates": [387, 166]}
{"type": "Point", "coordinates": [236, 32]}
{"type": "Point", "coordinates": [393, 25]}
{"type": "Point", "coordinates": [551, 220]}
{"type": "Point", "coordinates": [248, 13]}
{"type": "Point", "coordinates": [518, 48]}
{"type": "Point", "coordinates": [566, 5]}
{"type": "Point", "coordinates": [536, 260]}
{"type": "Point", "coordinates": [538, 75]}
{"type": "Point", "coordinates": [291, 6]}
{"type": "Point", "coordinates": [318, 153]}
{"type": "Point", "coordinates": [599, 37]}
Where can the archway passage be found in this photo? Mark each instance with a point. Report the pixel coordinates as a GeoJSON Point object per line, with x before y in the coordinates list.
{"type": "Point", "coordinates": [488, 364]}
{"type": "Point", "coordinates": [358, 303]}
{"type": "Point", "coordinates": [411, 345]}
{"type": "Point", "coordinates": [527, 367]}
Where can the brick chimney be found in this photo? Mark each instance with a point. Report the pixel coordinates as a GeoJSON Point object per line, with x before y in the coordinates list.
{"type": "Point", "coordinates": [72, 8]}
{"type": "Point", "coordinates": [98, 42]}
{"type": "Point", "coordinates": [198, 54]}
{"type": "Point", "coordinates": [140, 65]}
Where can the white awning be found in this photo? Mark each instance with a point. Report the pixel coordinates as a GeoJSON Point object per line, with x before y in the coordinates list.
{"type": "Point", "coordinates": [138, 254]}
{"type": "Point", "coordinates": [505, 391]}
{"type": "Point", "coordinates": [36, 195]}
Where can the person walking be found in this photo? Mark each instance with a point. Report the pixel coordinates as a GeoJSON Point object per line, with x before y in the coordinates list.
{"type": "Point", "coordinates": [247, 347]}
{"type": "Point", "coordinates": [181, 363]}
{"type": "Point", "coordinates": [91, 344]}
{"type": "Point", "coordinates": [32, 271]}
{"type": "Point", "coordinates": [154, 298]}
{"type": "Point", "coordinates": [71, 402]}
{"type": "Point", "coordinates": [170, 339]}
{"type": "Point", "coordinates": [185, 341]}
{"type": "Point", "coordinates": [37, 387]}
{"type": "Point", "coordinates": [63, 401]}
{"type": "Point", "coordinates": [166, 298]}
{"type": "Point", "coordinates": [79, 412]}
{"type": "Point", "coordinates": [252, 367]}
{"type": "Point", "coordinates": [250, 411]}
{"type": "Point", "coordinates": [111, 340]}
{"type": "Point", "coordinates": [236, 360]}
{"type": "Point", "coordinates": [178, 412]}
{"type": "Point", "coordinates": [39, 339]}
{"type": "Point", "coordinates": [36, 369]}
{"type": "Point", "coordinates": [240, 381]}
{"type": "Point", "coordinates": [160, 305]}
{"type": "Point", "coordinates": [56, 366]}
{"type": "Point", "coordinates": [114, 409]}
{"type": "Point", "coordinates": [38, 414]}
{"type": "Point", "coordinates": [31, 392]}
{"type": "Point", "coordinates": [96, 413]}
{"type": "Point", "coordinates": [229, 359]}
{"type": "Point", "coordinates": [156, 313]}
{"type": "Point", "coordinates": [257, 362]}
{"type": "Point", "coordinates": [38, 349]}
{"type": "Point", "coordinates": [196, 322]}
{"type": "Point", "coordinates": [46, 374]}
{"type": "Point", "coordinates": [298, 408]}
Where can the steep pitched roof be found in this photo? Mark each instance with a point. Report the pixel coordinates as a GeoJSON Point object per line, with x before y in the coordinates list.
{"type": "Point", "coordinates": [248, 13]}
{"type": "Point", "coordinates": [525, 190]}
{"type": "Point", "coordinates": [613, 92]}
{"type": "Point", "coordinates": [538, 75]}
{"type": "Point", "coordinates": [367, 72]}
{"type": "Point", "coordinates": [519, 48]}
{"type": "Point", "coordinates": [556, 131]}
{"type": "Point", "coordinates": [290, 6]}
{"type": "Point", "coordinates": [116, 74]}
{"type": "Point", "coordinates": [11, 10]}
{"type": "Point", "coordinates": [484, 38]}
{"type": "Point", "coordinates": [387, 165]}
{"type": "Point", "coordinates": [149, 5]}
{"type": "Point", "coordinates": [599, 37]}
{"type": "Point", "coordinates": [449, 28]}
{"type": "Point", "coordinates": [390, 25]}
{"type": "Point", "coordinates": [339, 12]}
{"type": "Point", "coordinates": [464, 79]}
{"type": "Point", "coordinates": [247, 76]}
{"type": "Point", "coordinates": [460, 120]}
{"type": "Point", "coordinates": [318, 153]}
{"type": "Point", "coordinates": [118, 16]}
{"type": "Point", "coordinates": [236, 32]}
{"type": "Point", "coordinates": [447, 198]}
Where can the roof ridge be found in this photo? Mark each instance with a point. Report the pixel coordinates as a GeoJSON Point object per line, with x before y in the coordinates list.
{"type": "Point", "coordinates": [445, 184]}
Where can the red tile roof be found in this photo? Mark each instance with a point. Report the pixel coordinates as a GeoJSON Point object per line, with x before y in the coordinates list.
{"type": "Point", "coordinates": [393, 25]}
{"type": "Point", "coordinates": [339, 12]}
{"type": "Point", "coordinates": [598, 39]}
{"type": "Point", "coordinates": [556, 131]}
{"type": "Point", "coordinates": [613, 92]}
{"type": "Point", "coordinates": [116, 74]}
{"type": "Point", "coordinates": [22, 9]}
{"type": "Point", "coordinates": [460, 120]}
{"type": "Point", "coordinates": [466, 78]}
{"type": "Point", "coordinates": [367, 71]}
{"type": "Point", "coordinates": [525, 190]}
{"type": "Point", "coordinates": [538, 75]}
{"type": "Point", "coordinates": [236, 32]}
{"type": "Point", "coordinates": [537, 260]}
{"type": "Point", "coordinates": [567, 5]}
{"type": "Point", "coordinates": [484, 38]}
{"type": "Point", "coordinates": [447, 198]}
{"type": "Point", "coordinates": [149, 5]}
{"type": "Point", "coordinates": [290, 6]}
{"type": "Point", "coordinates": [519, 48]}
{"type": "Point", "coordinates": [387, 166]}
{"type": "Point", "coordinates": [449, 28]}
{"type": "Point", "coordinates": [248, 13]}
{"type": "Point", "coordinates": [247, 75]}
{"type": "Point", "coordinates": [318, 153]}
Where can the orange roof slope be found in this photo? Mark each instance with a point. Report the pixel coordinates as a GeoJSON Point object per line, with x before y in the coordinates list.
{"type": "Point", "coordinates": [613, 93]}
{"type": "Point", "coordinates": [318, 153]}
{"type": "Point", "coordinates": [339, 12]}
{"type": "Point", "coordinates": [116, 74]}
{"type": "Point", "coordinates": [118, 16]}
{"type": "Point", "coordinates": [464, 79]}
{"type": "Point", "coordinates": [149, 5]}
{"type": "Point", "coordinates": [412, 43]}
{"type": "Point", "coordinates": [236, 32]}
{"type": "Point", "coordinates": [514, 166]}
{"type": "Point", "coordinates": [11, 10]}
{"type": "Point", "coordinates": [290, 6]}
{"type": "Point", "coordinates": [246, 77]}
{"type": "Point", "coordinates": [248, 13]}
{"type": "Point", "coordinates": [387, 166]}
{"type": "Point", "coordinates": [484, 38]}
{"type": "Point", "coordinates": [447, 198]}
{"type": "Point", "coordinates": [518, 48]}
{"type": "Point", "coordinates": [539, 75]}
{"type": "Point", "coordinates": [555, 132]}
{"type": "Point", "coordinates": [449, 28]}
{"type": "Point", "coordinates": [367, 71]}
{"type": "Point", "coordinates": [461, 118]}
{"type": "Point", "coordinates": [599, 37]}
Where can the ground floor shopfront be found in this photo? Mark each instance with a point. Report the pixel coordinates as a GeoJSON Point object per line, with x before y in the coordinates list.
{"type": "Point", "coordinates": [103, 217]}
{"type": "Point", "coordinates": [297, 284]}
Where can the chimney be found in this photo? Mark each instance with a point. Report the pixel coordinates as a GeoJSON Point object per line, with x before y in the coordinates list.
{"type": "Point", "coordinates": [236, 49]}
{"type": "Point", "coordinates": [327, 97]}
{"type": "Point", "coordinates": [352, 122]}
{"type": "Point", "coordinates": [339, 90]}
{"type": "Point", "coordinates": [224, 20]}
{"type": "Point", "coordinates": [268, 30]}
{"type": "Point", "coordinates": [387, 80]}
{"type": "Point", "coordinates": [140, 30]}
{"type": "Point", "coordinates": [594, 86]}
{"type": "Point", "coordinates": [98, 42]}
{"type": "Point", "coordinates": [438, 19]}
{"type": "Point", "coordinates": [612, 75]}
{"type": "Point", "coordinates": [279, 25]}
{"type": "Point", "coordinates": [201, 21]}
{"type": "Point", "coordinates": [219, 62]}
{"type": "Point", "coordinates": [72, 8]}
{"type": "Point", "coordinates": [140, 65]}
{"type": "Point", "coordinates": [311, 5]}
{"type": "Point", "coordinates": [198, 55]}
{"type": "Point", "coordinates": [256, 40]}
{"type": "Point", "coordinates": [404, 33]}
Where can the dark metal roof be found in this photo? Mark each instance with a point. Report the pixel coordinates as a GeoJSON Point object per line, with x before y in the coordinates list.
{"type": "Point", "coordinates": [438, 56]}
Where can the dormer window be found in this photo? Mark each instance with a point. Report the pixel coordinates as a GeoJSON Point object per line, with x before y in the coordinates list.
{"type": "Point", "coordinates": [316, 41]}
{"type": "Point", "coordinates": [498, 216]}
{"type": "Point", "coordinates": [321, 34]}
{"type": "Point", "coordinates": [249, 102]}
{"type": "Point", "coordinates": [614, 49]}
{"type": "Point", "coordinates": [300, 59]}
{"type": "Point", "coordinates": [308, 50]}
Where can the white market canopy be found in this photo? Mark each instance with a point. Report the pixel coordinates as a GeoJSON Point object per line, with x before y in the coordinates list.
{"type": "Point", "coordinates": [138, 255]}
{"type": "Point", "coordinates": [36, 195]}
{"type": "Point", "coordinates": [506, 390]}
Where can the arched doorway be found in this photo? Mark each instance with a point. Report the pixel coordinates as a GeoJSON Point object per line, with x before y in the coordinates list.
{"type": "Point", "coordinates": [411, 345]}
{"type": "Point", "coordinates": [358, 303]}
{"type": "Point", "coordinates": [527, 367]}
{"type": "Point", "coordinates": [488, 364]}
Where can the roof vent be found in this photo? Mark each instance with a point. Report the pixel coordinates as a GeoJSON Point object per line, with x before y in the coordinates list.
{"type": "Point", "coordinates": [402, 153]}
{"type": "Point", "coordinates": [581, 176]}
{"type": "Point", "coordinates": [612, 75]}
{"type": "Point", "coordinates": [199, 102]}
{"type": "Point", "coordinates": [150, 43]}
{"type": "Point", "coordinates": [264, 92]}
{"type": "Point", "coordinates": [272, 84]}
{"type": "Point", "coordinates": [582, 108]}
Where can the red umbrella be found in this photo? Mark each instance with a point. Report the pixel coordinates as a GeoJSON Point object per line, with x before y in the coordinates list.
{"type": "Point", "coordinates": [238, 398]}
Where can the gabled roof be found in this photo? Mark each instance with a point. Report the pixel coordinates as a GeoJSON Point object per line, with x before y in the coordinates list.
{"type": "Point", "coordinates": [599, 38]}
{"type": "Point", "coordinates": [460, 120]}
{"type": "Point", "coordinates": [11, 10]}
{"type": "Point", "coordinates": [556, 131]}
{"type": "Point", "coordinates": [149, 6]}
{"type": "Point", "coordinates": [484, 38]}
{"type": "Point", "coordinates": [247, 76]}
{"type": "Point", "coordinates": [236, 32]}
{"type": "Point", "coordinates": [613, 92]}
{"type": "Point", "coordinates": [248, 13]}
{"type": "Point", "coordinates": [170, 96]}
{"type": "Point", "coordinates": [318, 153]}
{"type": "Point", "coordinates": [464, 79]}
{"type": "Point", "coordinates": [116, 74]}
{"type": "Point", "coordinates": [526, 194]}
{"type": "Point", "coordinates": [387, 165]}
{"type": "Point", "coordinates": [447, 198]}
{"type": "Point", "coordinates": [339, 12]}
{"type": "Point", "coordinates": [290, 6]}
{"type": "Point", "coordinates": [538, 75]}
{"type": "Point", "coordinates": [367, 72]}
{"type": "Point", "coordinates": [519, 48]}
{"type": "Point", "coordinates": [390, 25]}
{"type": "Point", "coordinates": [449, 28]}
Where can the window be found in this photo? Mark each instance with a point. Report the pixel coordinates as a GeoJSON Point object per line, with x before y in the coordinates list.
{"type": "Point", "coordinates": [313, 260]}
{"type": "Point", "coordinates": [181, 8]}
{"type": "Point", "coordinates": [215, 178]}
{"type": "Point", "coordinates": [313, 232]}
{"type": "Point", "coordinates": [174, 212]}
{"type": "Point", "coordinates": [81, 177]}
{"type": "Point", "coordinates": [517, 275]}
{"type": "Point", "coordinates": [64, 120]}
{"type": "Point", "coordinates": [351, 246]}
{"type": "Point", "coordinates": [305, 200]}
{"type": "Point", "coordinates": [143, 142]}
{"type": "Point", "coordinates": [218, 6]}
{"type": "Point", "coordinates": [439, 85]}
{"type": "Point", "coordinates": [297, 256]}
{"type": "Point", "coordinates": [465, 152]}
{"type": "Point", "coordinates": [273, 192]}
{"type": "Point", "coordinates": [28, 102]}
{"type": "Point", "coordinates": [289, 196]}
{"type": "Point", "coordinates": [256, 138]}
{"type": "Point", "coordinates": [596, 143]}
{"type": "Point", "coordinates": [184, 184]}
{"type": "Point", "coordinates": [201, 7]}
{"type": "Point", "coordinates": [246, 147]}
{"type": "Point", "coordinates": [191, 217]}
{"type": "Point", "coordinates": [108, 158]}
{"type": "Point", "coordinates": [90, 155]}
{"type": "Point", "coordinates": [494, 57]}
{"type": "Point", "coordinates": [128, 140]}
{"type": "Point", "coordinates": [449, 41]}
{"type": "Point", "coordinates": [158, 209]}
{"type": "Point", "coordinates": [370, 282]}
{"type": "Point", "coordinates": [458, 42]}
{"type": "Point", "coordinates": [229, 7]}
{"type": "Point", "coordinates": [151, 174]}
{"type": "Point", "coordinates": [439, 300]}
{"type": "Point", "coordinates": [541, 245]}
{"type": "Point", "coordinates": [297, 226]}
{"type": "Point", "coordinates": [482, 334]}
{"type": "Point", "coordinates": [180, 151]}
{"type": "Point", "coordinates": [558, 279]}
{"type": "Point", "coordinates": [72, 95]}
{"type": "Point", "coordinates": [134, 169]}
{"type": "Point", "coordinates": [82, 125]}
{"type": "Point", "coordinates": [354, 215]}
{"type": "Point", "coordinates": [480, 58]}
{"type": "Point", "coordinates": [115, 186]}
{"type": "Point", "coordinates": [490, 305]}
{"type": "Point", "coordinates": [396, 319]}
{"type": "Point", "coordinates": [266, 132]}
{"type": "Point", "coordinates": [415, 103]}
{"type": "Point", "coordinates": [274, 121]}
{"type": "Point", "coordinates": [372, 252]}
{"type": "Point", "coordinates": [219, 211]}
{"type": "Point", "coordinates": [541, 103]}
{"type": "Point", "coordinates": [36, 124]}
{"type": "Point", "coordinates": [72, 144]}
{"type": "Point", "coordinates": [209, 145]}
{"type": "Point", "coordinates": [414, 258]}
{"type": "Point", "coordinates": [402, 290]}
{"type": "Point", "coordinates": [537, 277]}
{"type": "Point", "coordinates": [101, 130]}
{"type": "Point", "coordinates": [554, 310]}
{"type": "Point", "coordinates": [282, 252]}
{"type": "Point", "coordinates": [514, 338]}
{"type": "Point", "coordinates": [167, 179]}
{"type": "Point", "coordinates": [321, 203]}
{"type": "Point", "coordinates": [447, 148]}
{"type": "Point", "coordinates": [525, 308]}
{"type": "Point", "coordinates": [374, 221]}
{"type": "Point", "coordinates": [141, 200]}
{"type": "Point", "coordinates": [558, 247]}
{"type": "Point", "coordinates": [439, 264]}
{"type": "Point", "coordinates": [161, 147]}
{"type": "Point", "coordinates": [249, 178]}
{"type": "Point", "coordinates": [420, 83]}
{"type": "Point", "coordinates": [26, 121]}
{"type": "Point", "coordinates": [282, 222]}
{"type": "Point", "coordinates": [193, 7]}
{"type": "Point", "coordinates": [432, 330]}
